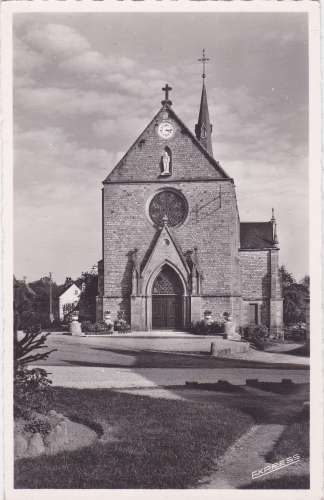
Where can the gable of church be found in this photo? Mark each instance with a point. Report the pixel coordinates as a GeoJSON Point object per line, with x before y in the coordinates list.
{"type": "Point", "coordinates": [164, 251]}
{"type": "Point", "coordinates": [166, 150]}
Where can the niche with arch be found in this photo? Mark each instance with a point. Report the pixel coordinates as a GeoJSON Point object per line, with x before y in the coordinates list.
{"type": "Point", "coordinates": [166, 162]}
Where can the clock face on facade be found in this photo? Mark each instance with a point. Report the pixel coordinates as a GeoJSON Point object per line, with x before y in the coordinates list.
{"type": "Point", "coordinates": [165, 130]}
{"type": "Point", "coordinates": [171, 204]}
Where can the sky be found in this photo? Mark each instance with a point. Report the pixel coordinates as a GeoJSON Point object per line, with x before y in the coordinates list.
{"type": "Point", "coordinates": [86, 85]}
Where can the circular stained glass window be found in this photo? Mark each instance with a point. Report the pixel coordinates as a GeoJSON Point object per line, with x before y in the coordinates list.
{"type": "Point", "coordinates": [171, 204]}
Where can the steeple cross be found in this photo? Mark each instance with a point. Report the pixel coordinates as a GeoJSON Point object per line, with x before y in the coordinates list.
{"type": "Point", "coordinates": [204, 59]}
{"type": "Point", "coordinates": [166, 89]}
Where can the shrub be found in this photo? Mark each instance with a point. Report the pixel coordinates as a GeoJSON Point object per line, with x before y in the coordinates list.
{"type": "Point", "coordinates": [121, 325]}
{"type": "Point", "coordinates": [99, 327]}
{"type": "Point", "coordinates": [258, 335]}
{"type": "Point", "coordinates": [36, 425]}
{"type": "Point", "coordinates": [202, 328]}
{"type": "Point", "coordinates": [29, 391]}
{"type": "Point", "coordinates": [87, 326]}
{"type": "Point", "coordinates": [30, 385]}
{"type": "Point", "coordinates": [102, 327]}
{"type": "Point", "coordinates": [29, 319]}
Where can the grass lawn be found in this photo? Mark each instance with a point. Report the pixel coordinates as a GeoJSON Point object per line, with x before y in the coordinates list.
{"type": "Point", "coordinates": [157, 443]}
{"type": "Point", "coordinates": [294, 439]}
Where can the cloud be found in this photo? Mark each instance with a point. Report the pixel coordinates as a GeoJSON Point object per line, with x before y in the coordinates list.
{"type": "Point", "coordinates": [67, 101]}
{"type": "Point", "coordinates": [26, 59]}
{"type": "Point", "coordinates": [55, 40]}
{"type": "Point", "coordinates": [79, 102]}
{"type": "Point", "coordinates": [85, 63]}
{"type": "Point", "coordinates": [56, 166]}
{"type": "Point", "coordinates": [120, 132]}
{"type": "Point", "coordinates": [57, 201]}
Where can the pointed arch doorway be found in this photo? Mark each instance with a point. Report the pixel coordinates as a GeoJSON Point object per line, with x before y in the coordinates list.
{"type": "Point", "coordinates": [167, 300]}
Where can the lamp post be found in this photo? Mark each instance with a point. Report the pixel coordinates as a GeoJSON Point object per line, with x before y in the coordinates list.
{"type": "Point", "coordinates": [51, 315]}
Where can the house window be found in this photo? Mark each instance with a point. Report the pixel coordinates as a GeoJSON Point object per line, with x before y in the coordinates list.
{"type": "Point", "coordinates": [76, 292]}
{"type": "Point", "coordinates": [254, 314]}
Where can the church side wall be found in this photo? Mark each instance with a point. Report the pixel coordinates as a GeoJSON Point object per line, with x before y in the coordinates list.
{"type": "Point", "coordinates": [255, 283]}
{"type": "Point", "coordinates": [219, 305]}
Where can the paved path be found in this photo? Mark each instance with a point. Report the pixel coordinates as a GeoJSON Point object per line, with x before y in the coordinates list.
{"type": "Point", "coordinates": [247, 454]}
{"type": "Point", "coordinates": [155, 352]}
{"type": "Point", "coordinates": [275, 357]}
{"type": "Point", "coordinates": [96, 377]}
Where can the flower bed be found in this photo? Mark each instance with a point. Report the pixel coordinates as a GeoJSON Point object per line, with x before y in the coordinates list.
{"type": "Point", "coordinates": [204, 328]}
{"type": "Point", "coordinates": [102, 328]}
{"type": "Point", "coordinates": [98, 328]}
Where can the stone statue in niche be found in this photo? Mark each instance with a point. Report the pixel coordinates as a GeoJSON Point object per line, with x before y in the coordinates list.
{"type": "Point", "coordinates": [196, 273]}
{"type": "Point", "coordinates": [166, 161]}
{"type": "Point", "coordinates": [136, 272]}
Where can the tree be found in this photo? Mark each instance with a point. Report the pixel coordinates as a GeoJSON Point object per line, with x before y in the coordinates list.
{"type": "Point", "coordinates": [42, 299]}
{"type": "Point", "coordinates": [305, 282]}
{"type": "Point", "coordinates": [87, 305]}
{"type": "Point", "coordinates": [286, 278]}
{"type": "Point", "coordinates": [23, 305]}
{"type": "Point", "coordinates": [294, 297]}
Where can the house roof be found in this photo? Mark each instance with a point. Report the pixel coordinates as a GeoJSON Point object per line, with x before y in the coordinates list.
{"type": "Point", "coordinates": [256, 235]}
{"type": "Point", "coordinates": [62, 288]}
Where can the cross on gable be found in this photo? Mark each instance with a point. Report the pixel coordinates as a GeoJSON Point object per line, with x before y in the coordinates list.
{"type": "Point", "coordinates": [204, 59]}
{"type": "Point", "coordinates": [166, 90]}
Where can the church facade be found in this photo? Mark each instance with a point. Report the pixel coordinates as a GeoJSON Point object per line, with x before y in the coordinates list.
{"type": "Point", "coordinates": [173, 247]}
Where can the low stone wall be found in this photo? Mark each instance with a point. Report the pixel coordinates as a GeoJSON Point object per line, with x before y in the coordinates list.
{"type": "Point", "coordinates": [228, 347]}
{"type": "Point", "coordinates": [64, 435]}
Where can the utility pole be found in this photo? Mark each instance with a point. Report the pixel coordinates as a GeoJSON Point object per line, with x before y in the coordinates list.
{"type": "Point", "coordinates": [51, 316]}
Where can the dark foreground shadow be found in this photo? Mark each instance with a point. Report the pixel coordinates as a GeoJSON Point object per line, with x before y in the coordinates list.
{"type": "Point", "coordinates": [283, 483]}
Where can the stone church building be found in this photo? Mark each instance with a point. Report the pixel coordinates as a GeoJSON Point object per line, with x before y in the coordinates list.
{"type": "Point", "coordinates": [173, 247]}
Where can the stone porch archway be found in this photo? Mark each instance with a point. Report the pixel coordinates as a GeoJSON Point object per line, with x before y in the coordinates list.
{"type": "Point", "coordinates": [165, 252]}
{"type": "Point", "coordinates": [174, 301]}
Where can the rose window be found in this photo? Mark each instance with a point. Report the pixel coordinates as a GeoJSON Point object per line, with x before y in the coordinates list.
{"type": "Point", "coordinates": [168, 204]}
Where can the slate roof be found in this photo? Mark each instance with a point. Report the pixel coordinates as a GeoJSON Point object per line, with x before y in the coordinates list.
{"type": "Point", "coordinates": [256, 235]}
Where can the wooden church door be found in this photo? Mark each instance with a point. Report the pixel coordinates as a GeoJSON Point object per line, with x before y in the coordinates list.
{"type": "Point", "coordinates": [167, 300]}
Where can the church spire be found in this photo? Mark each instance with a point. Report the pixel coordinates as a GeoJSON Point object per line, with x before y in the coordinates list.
{"type": "Point", "coordinates": [203, 128]}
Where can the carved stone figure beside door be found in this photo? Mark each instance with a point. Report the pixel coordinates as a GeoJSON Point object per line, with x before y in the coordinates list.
{"type": "Point", "coordinates": [136, 273]}
{"type": "Point", "coordinates": [196, 273]}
